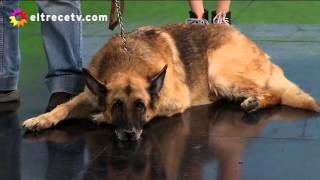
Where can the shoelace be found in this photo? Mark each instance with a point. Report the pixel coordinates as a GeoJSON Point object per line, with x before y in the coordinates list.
{"type": "Point", "coordinates": [221, 18]}
{"type": "Point", "coordinates": [197, 21]}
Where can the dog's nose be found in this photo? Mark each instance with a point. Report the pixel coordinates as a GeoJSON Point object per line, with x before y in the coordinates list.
{"type": "Point", "coordinates": [125, 135]}
{"type": "Point", "coordinates": [129, 134]}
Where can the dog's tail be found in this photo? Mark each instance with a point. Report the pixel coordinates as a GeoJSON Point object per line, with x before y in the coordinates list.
{"type": "Point", "coordinates": [293, 96]}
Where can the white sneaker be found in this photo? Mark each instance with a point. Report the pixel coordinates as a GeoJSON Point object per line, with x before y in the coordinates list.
{"type": "Point", "coordinates": [221, 18]}
{"type": "Point", "coordinates": [197, 21]}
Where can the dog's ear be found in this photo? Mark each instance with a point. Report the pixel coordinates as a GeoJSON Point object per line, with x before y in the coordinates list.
{"type": "Point", "coordinates": [95, 86]}
{"type": "Point", "coordinates": [157, 81]}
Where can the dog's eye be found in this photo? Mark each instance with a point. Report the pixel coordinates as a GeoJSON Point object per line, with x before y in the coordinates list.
{"type": "Point", "coordinates": [139, 105]}
{"type": "Point", "coordinates": [117, 104]}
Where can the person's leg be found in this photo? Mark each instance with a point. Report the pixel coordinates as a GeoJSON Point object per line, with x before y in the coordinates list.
{"type": "Point", "coordinates": [223, 6]}
{"type": "Point", "coordinates": [62, 42]}
{"type": "Point", "coordinates": [198, 15]}
{"type": "Point", "coordinates": [222, 14]}
{"type": "Point", "coordinates": [9, 53]}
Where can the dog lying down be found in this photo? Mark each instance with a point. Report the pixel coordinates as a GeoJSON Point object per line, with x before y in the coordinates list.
{"type": "Point", "coordinates": [169, 69]}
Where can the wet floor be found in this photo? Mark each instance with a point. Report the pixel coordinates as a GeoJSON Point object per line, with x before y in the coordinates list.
{"type": "Point", "coordinates": [217, 141]}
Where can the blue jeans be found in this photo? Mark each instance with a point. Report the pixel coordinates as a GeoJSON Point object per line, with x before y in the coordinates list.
{"type": "Point", "coordinates": [62, 42]}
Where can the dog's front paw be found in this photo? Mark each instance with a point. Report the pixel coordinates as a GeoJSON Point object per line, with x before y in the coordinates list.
{"type": "Point", "coordinates": [38, 123]}
{"type": "Point", "coordinates": [98, 118]}
{"type": "Point", "coordinates": [250, 104]}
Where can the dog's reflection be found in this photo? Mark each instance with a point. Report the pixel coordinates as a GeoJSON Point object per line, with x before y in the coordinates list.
{"type": "Point", "coordinates": [229, 130]}
{"type": "Point", "coordinates": [177, 147]}
{"type": "Point", "coordinates": [156, 156]}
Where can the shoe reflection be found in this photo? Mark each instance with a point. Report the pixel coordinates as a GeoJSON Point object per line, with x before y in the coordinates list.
{"type": "Point", "coordinates": [181, 147]}
{"type": "Point", "coordinates": [9, 141]}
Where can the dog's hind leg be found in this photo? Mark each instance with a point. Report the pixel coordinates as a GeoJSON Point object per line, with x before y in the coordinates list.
{"type": "Point", "coordinates": [262, 100]}
{"type": "Point", "coordinates": [80, 106]}
{"type": "Point", "coordinates": [290, 93]}
{"type": "Point", "coordinates": [238, 88]}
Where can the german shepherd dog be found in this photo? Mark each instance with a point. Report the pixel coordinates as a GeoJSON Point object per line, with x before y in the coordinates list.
{"type": "Point", "coordinates": [169, 69]}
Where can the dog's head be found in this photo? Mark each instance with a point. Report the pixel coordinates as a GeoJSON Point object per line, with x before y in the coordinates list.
{"type": "Point", "coordinates": [128, 101]}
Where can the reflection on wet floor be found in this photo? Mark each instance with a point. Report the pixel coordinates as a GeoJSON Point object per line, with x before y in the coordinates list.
{"type": "Point", "coordinates": [9, 142]}
{"type": "Point", "coordinates": [206, 142]}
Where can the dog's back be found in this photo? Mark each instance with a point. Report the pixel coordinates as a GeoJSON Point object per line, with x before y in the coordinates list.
{"type": "Point", "coordinates": [233, 66]}
{"type": "Point", "coordinates": [192, 43]}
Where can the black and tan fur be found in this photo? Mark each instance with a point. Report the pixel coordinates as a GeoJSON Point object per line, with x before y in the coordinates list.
{"type": "Point", "coordinates": [172, 68]}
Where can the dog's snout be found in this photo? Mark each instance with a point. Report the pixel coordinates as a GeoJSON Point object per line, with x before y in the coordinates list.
{"type": "Point", "coordinates": [129, 134]}
{"type": "Point", "coordinates": [124, 134]}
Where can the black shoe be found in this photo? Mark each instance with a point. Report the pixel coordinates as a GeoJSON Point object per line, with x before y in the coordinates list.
{"type": "Point", "coordinates": [11, 106]}
{"type": "Point", "coordinates": [221, 18]}
{"type": "Point", "coordinates": [57, 99]}
{"type": "Point", "coordinates": [193, 19]}
{"type": "Point", "coordinates": [9, 96]}
{"type": "Point", "coordinates": [204, 16]}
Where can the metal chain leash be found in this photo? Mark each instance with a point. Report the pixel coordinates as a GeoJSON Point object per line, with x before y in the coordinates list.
{"type": "Point", "coordinates": [122, 31]}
